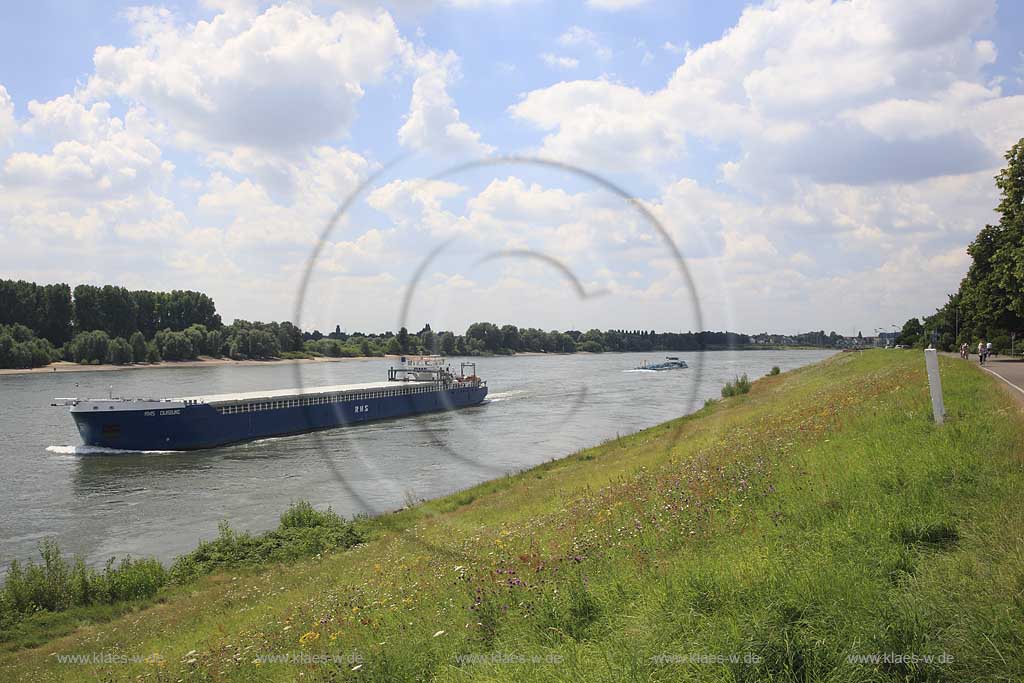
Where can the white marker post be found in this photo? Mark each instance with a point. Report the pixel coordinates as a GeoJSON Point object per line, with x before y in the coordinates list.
{"type": "Point", "coordinates": [931, 362]}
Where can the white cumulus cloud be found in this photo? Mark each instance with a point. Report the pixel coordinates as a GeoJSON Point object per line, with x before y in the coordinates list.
{"type": "Point", "coordinates": [433, 121]}
{"type": "Point", "coordinates": [560, 61]}
{"type": "Point", "coordinates": [8, 125]}
{"type": "Point", "coordinates": [837, 92]}
{"type": "Point", "coordinates": [615, 5]}
{"type": "Point", "coordinates": [283, 78]}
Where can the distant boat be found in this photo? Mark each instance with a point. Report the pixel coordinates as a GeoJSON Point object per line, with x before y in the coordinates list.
{"type": "Point", "coordinates": [670, 363]}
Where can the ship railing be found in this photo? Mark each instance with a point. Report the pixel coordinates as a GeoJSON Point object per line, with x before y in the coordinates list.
{"type": "Point", "coordinates": [74, 401]}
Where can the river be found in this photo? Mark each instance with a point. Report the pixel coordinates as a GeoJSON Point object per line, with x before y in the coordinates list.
{"type": "Point", "coordinates": [161, 504]}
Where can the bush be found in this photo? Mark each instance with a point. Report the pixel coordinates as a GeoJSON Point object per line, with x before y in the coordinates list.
{"type": "Point", "coordinates": [56, 584]}
{"type": "Point", "coordinates": [303, 531]}
{"type": "Point", "coordinates": [740, 385]}
{"type": "Point", "coordinates": [304, 515]}
{"type": "Point", "coordinates": [775, 370]}
{"type": "Point", "coordinates": [295, 355]}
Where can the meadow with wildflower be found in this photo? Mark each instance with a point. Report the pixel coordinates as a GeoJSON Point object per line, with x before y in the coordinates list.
{"type": "Point", "coordinates": [810, 529]}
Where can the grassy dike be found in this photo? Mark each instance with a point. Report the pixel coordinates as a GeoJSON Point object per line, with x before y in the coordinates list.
{"type": "Point", "coordinates": [803, 529]}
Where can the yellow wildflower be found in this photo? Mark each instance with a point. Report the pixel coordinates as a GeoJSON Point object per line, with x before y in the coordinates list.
{"type": "Point", "coordinates": [157, 659]}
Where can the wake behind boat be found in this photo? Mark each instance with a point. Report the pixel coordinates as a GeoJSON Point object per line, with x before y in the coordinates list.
{"type": "Point", "coordinates": [142, 424]}
{"type": "Point", "coordinates": [670, 363]}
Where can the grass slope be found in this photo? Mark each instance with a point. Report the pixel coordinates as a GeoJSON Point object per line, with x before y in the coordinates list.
{"type": "Point", "coordinates": [819, 528]}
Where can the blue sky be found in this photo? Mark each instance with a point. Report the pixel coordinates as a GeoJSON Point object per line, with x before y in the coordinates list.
{"type": "Point", "coordinates": [818, 164]}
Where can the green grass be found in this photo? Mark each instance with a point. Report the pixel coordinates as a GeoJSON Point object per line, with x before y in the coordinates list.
{"type": "Point", "coordinates": [39, 601]}
{"type": "Point", "coordinates": [819, 517]}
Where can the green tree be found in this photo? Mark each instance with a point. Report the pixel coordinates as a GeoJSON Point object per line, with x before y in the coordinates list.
{"type": "Point", "coordinates": [19, 303]}
{"type": "Point", "coordinates": [394, 347]}
{"type": "Point", "coordinates": [197, 337]}
{"type": "Point", "coordinates": [403, 340]}
{"type": "Point", "coordinates": [510, 338]}
{"type": "Point", "coordinates": [488, 334]}
{"type": "Point", "coordinates": [174, 345]}
{"type": "Point", "coordinates": [57, 314]}
{"type": "Point", "coordinates": [1008, 259]}
{"type": "Point", "coordinates": [215, 342]}
{"type": "Point", "coordinates": [147, 312]}
{"type": "Point", "coordinates": [138, 344]}
{"type": "Point", "coordinates": [118, 311]}
{"type": "Point", "coordinates": [428, 339]}
{"type": "Point", "coordinates": [20, 348]}
{"type": "Point", "coordinates": [592, 338]}
{"type": "Point", "coordinates": [562, 342]}
{"type": "Point", "coordinates": [181, 308]}
{"type": "Point", "coordinates": [263, 344]}
{"type": "Point", "coordinates": [447, 343]}
{"type": "Point", "coordinates": [289, 337]}
{"type": "Point", "coordinates": [120, 352]}
{"type": "Point", "coordinates": [911, 333]}
{"type": "Point", "coordinates": [88, 312]}
{"type": "Point", "coordinates": [990, 300]}
{"type": "Point", "coordinates": [89, 347]}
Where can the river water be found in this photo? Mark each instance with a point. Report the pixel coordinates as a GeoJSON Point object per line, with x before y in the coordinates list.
{"type": "Point", "coordinates": [104, 504]}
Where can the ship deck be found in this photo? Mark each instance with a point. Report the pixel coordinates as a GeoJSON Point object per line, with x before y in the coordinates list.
{"type": "Point", "coordinates": [214, 399]}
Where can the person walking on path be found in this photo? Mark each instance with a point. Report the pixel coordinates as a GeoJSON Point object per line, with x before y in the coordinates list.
{"type": "Point", "coordinates": [981, 352]}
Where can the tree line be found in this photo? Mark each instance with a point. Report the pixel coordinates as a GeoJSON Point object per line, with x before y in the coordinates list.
{"type": "Point", "coordinates": [92, 325]}
{"type": "Point", "coordinates": [989, 304]}
{"type": "Point", "coordinates": [108, 324]}
{"type": "Point", "coordinates": [485, 338]}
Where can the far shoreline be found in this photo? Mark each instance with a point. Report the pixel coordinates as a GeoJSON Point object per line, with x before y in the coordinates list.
{"type": "Point", "coordinates": [200, 362]}
{"type": "Point", "coordinates": [210, 361]}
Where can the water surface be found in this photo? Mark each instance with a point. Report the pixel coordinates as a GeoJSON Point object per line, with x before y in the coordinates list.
{"type": "Point", "coordinates": [162, 504]}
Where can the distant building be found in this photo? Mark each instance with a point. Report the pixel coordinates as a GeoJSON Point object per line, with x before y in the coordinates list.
{"type": "Point", "coordinates": [887, 338]}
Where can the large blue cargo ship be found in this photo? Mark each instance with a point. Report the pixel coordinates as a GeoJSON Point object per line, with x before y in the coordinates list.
{"type": "Point", "coordinates": [193, 422]}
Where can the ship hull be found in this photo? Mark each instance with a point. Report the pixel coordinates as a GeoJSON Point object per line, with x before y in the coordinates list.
{"type": "Point", "coordinates": [197, 426]}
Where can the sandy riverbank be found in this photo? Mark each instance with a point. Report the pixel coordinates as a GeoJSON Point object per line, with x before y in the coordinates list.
{"type": "Point", "coordinates": [201, 362]}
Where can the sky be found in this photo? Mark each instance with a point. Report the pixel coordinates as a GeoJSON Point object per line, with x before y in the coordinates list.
{"type": "Point", "coordinates": [782, 166]}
